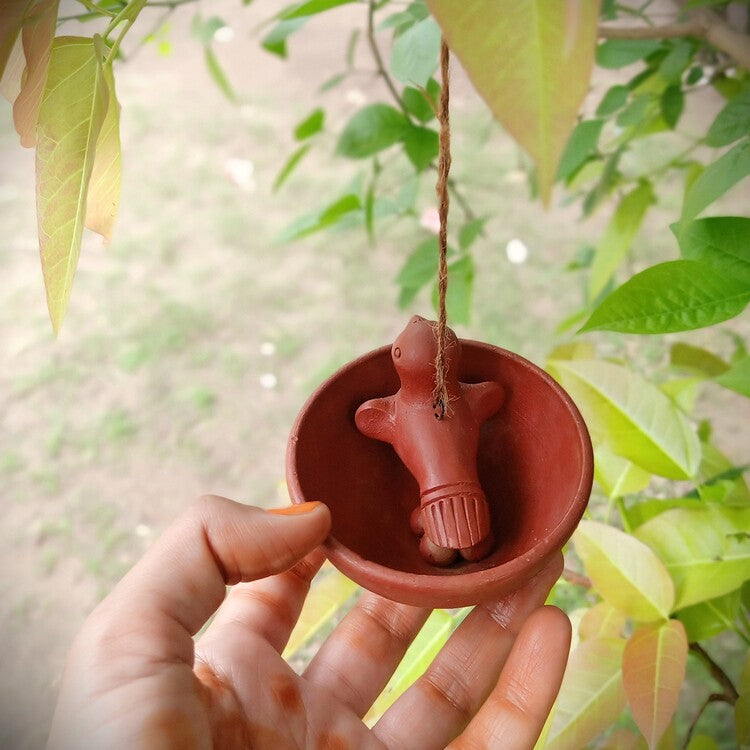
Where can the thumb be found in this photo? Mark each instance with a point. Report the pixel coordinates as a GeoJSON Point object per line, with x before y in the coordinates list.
{"type": "Point", "coordinates": [216, 543]}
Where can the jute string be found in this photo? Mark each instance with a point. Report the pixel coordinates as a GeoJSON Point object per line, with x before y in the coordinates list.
{"type": "Point", "coordinates": [440, 394]}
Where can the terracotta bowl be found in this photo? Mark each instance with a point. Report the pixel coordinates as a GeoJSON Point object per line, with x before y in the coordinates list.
{"type": "Point", "coordinates": [535, 464]}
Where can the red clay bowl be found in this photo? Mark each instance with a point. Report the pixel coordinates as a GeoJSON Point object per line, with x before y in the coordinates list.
{"type": "Point", "coordinates": [535, 464]}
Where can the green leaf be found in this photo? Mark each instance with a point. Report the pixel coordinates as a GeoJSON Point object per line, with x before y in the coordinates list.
{"type": "Point", "coordinates": [204, 31]}
{"type": "Point", "coordinates": [217, 73]}
{"type": "Point", "coordinates": [70, 118]}
{"type": "Point", "coordinates": [618, 237]}
{"type": "Point", "coordinates": [732, 123]}
{"type": "Point", "coordinates": [420, 267]}
{"type": "Point", "coordinates": [103, 198]}
{"type": "Point", "coordinates": [716, 179]}
{"type": "Point", "coordinates": [613, 99]}
{"type": "Point", "coordinates": [290, 165]}
{"type": "Point", "coordinates": [700, 550]}
{"type": "Point", "coordinates": [317, 220]}
{"type": "Point", "coordinates": [643, 510]}
{"type": "Point", "coordinates": [312, 7]}
{"type": "Point", "coordinates": [460, 288]}
{"type": "Point", "coordinates": [624, 571]}
{"type": "Point", "coordinates": [311, 125]}
{"type": "Point", "coordinates": [275, 41]}
{"type": "Point", "coordinates": [415, 53]}
{"type": "Point", "coordinates": [616, 475]}
{"type": "Point", "coordinates": [679, 295]}
{"type": "Point", "coordinates": [722, 241]}
{"type": "Point", "coordinates": [653, 670]}
{"type": "Point", "coordinates": [470, 231]}
{"type": "Point", "coordinates": [677, 59]}
{"type": "Point", "coordinates": [591, 695]}
{"type": "Point", "coordinates": [580, 146]}
{"type": "Point", "coordinates": [672, 103]}
{"type": "Point", "coordinates": [696, 360]}
{"type": "Point", "coordinates": [425, 647]}
{"type": "Point", "coordinates": [617, 53]}
{"type": "Point", "coordinates": [631, 416]}
{"type": "Point", "coordinates": [421, 146]}
{"type": "Point", "coordinates": [38, 34]}
{"type": "Point", "coordinates": [737, 378]}
{"type": "Point", "coordinates": [421, 103]}
{"type": "Point", "coordinates": [327, 596]}
{"type": "Point", "coordinates": [707, 619]}
{"type": "Point", "coordinates": [372, 129]}
{"type": "Point", "coordinates": [531, 62]}
{"type": "Point", "coordinates": [742, 721]}
{"type": "Point", "coordinates": [702, 742]}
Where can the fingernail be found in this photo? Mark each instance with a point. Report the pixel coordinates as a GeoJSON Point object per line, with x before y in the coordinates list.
{"type": "Point", "coordinates": [294, 510]}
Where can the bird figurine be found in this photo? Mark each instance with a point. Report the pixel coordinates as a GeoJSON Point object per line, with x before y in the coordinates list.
{"type": "Point", "coordinates": [437, 443]}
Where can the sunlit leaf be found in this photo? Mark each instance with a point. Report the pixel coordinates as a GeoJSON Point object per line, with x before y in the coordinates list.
{"type": "Point", "coordinates": [616, 475]}
{"type": "Point", "coordinates": [701, 550]}
{"type": "Point", "coordinates": [602, 621]}
{"type": "Point", "coordinates": [435, 632]}
{"type": "Point", "coordinates": [70, 118]}
{"type": "Point", "coordinates": [418, 270]}
{"type": "Point", "coordinates": [720, 241]}
{"type": "Point", "coordinates": [421, 103]}
{"type": "Point", "coordinates": [737, 378]}
{"type": "Point", "coordinates": [327, 596]}
{"type": "Point", "coordinates": [591, 696]}
{"type": "Point", "coordinates": [631, 416]}
{"type": "Point", "coordinates": [312, 7]}
{"type": "Point", "coordinates": [618, 236]}
{"type": "Point", "coordinates": [624, 571]}
{"type": "Point", "coordinates": [276, 39]}
{"type": "Point", "coordinates": [372, 129]}
{"type": "Point", "coordinates": [38, 32]}
{"type": "Point", "coordinates": [290, 165]}
{"type": "Point", "coordinates": [731, 123]}
{"type": "Point", "coordinates": [716, 179]}
{"type": "Point", "coordinates": [679, 295]}
{"type": "Point", "coordinates": [707, 619]}
{"type": "Point", "coordinates": [311, 125]}
{"type": "Point", "coordinates": [531, 62]}
{"type": "Point", "coordinates": [104, 185]}
{"type": "Point", "coordinates": [653, 669]}
{"type": "Point", "coordinates": [643, 510]}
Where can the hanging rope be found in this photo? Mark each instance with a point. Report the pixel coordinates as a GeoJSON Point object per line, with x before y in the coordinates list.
{"type": "Point", "coordinates": [440, 394]}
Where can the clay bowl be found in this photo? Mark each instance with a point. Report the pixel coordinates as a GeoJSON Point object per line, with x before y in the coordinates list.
{"type": "Point", "coordinates": [535, 464]}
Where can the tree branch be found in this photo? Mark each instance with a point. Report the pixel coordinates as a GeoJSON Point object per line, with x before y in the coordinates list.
{"type": "Point", "coordinates": [382, 72]}
{"type": "Point", "coordinates": [713, 698]}
{"type": "Point", "coordinates": [688, 28]}
{"type": "Point", "coordinates": [729, 693]}
{"type": "Point", "coordinates": [703, 23]}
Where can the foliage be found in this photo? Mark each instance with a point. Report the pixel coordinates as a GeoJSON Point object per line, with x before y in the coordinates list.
{"type": "Point", "coordinates": [664, 554]}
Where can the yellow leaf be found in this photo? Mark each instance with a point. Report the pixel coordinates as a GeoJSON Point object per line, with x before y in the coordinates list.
{"type": "Point", "coordinates": [653, 669]}
{"type": "Point", "coordinates": [531, 62]}
{"type": "Point", "coordinates": [38, 32]}
{"type": "Point", "coordinates": [624, 571]}
{"type": "Point", "coordinates": [104, 185]}
{"type": "Point", "coordinates": [601, 621]}
{"type": "Point", "coordinates": [70, 118]}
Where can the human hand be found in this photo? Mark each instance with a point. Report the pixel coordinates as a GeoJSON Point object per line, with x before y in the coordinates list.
{"type": "Point", "coordinates": [135, 678]}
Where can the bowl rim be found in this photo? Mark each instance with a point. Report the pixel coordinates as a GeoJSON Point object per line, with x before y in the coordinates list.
{"type": "Point", "coordinates": [443, 584]}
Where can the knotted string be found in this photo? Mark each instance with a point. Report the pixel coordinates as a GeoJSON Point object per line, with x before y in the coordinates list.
{"type": "Point", "coordinates": [440, 394]}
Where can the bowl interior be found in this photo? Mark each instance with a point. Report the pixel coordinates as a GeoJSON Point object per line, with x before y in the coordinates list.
{"type": "Point", "coordinates": [534, 464]}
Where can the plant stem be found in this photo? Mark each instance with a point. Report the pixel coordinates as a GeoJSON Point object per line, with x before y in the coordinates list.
{"type": "Point", "coordinates": [687, 28]}
{"type": "Point", "coordinates": [729, 693]}
{"type": "Point", "coordinates": [713, 698]}
{"type": "Point", "coordinates": [382, 72]}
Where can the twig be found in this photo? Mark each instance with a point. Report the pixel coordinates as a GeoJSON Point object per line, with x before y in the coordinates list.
{"type": "Point", "coordinates": [729, 694]}
{"type": "Point", "coordinates": [701, 22]}
{"type": "Point", "coordinates": [382, 72]}
{"type": "Point", "coordinates": [577, 579]}
{"type": "Point", "coordinates": [713, 698]}
{"type": "Point", "coordinates": [688, 28]}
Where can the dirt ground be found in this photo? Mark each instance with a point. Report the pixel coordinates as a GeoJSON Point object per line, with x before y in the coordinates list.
{"type": "Point", "coordinates": [192, 341]}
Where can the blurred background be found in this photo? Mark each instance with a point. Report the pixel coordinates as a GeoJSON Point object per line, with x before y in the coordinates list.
{"type": "Point", "coordinates": [194, 338]}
